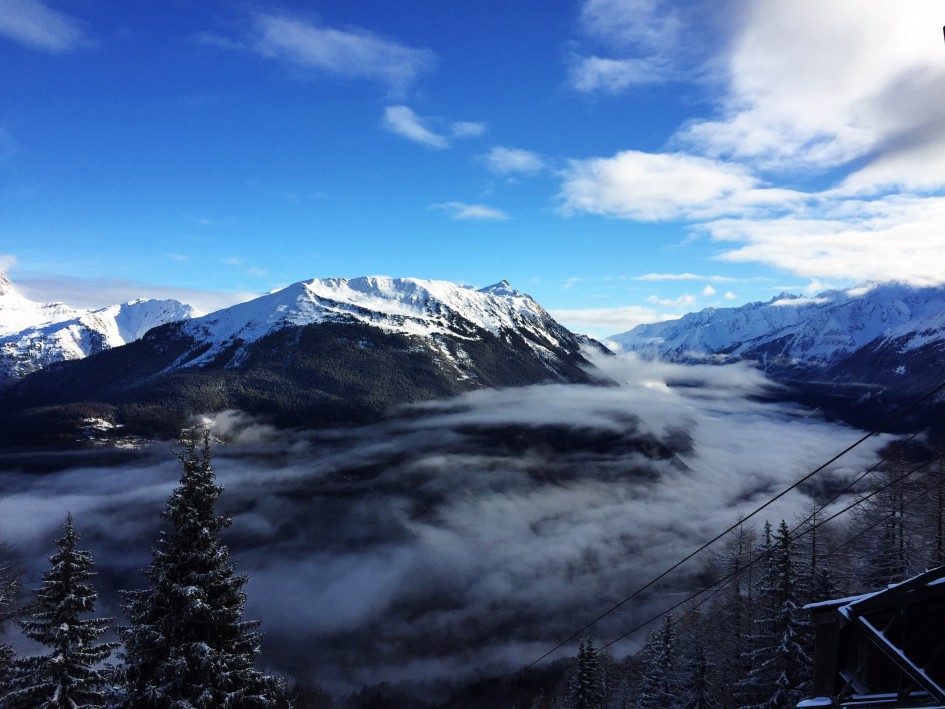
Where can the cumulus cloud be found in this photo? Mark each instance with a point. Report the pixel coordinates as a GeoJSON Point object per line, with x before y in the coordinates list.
{"type": "Point", "coordinates": [511, 161]}
{"type": "Point", "coordinates": [852, 98]}
{"type": "Point", "coordinates": [349, 53]}
{"type": "Point", "coordinates": [664, 186]}
{"type": "Point", "coordinates": [464, 211]}
{"type": "Point", "coordinates": [896, 239]}
{"type": "Point", "coordinates": [708, 291]}
{"type": "Point", "coordinates": [36, 25]}
{"type": "Point", "coordinates": [816, 94]}
{"type": "Point", "coordinates": [456, 536]}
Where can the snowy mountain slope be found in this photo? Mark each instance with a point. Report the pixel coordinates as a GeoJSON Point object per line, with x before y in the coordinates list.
{"type": "Point", "coordinates": [35, 335]}
{"type": "Point", "coordinates": [861, 354]}
{"type": "Point", "coordinates": [18, 313]}
{"type": "Point", "coordinates": [408, 306]}
{"type": "Point", "coordinates": [320, 352]}
{"type": "Point", "coordinates": [795, 332]}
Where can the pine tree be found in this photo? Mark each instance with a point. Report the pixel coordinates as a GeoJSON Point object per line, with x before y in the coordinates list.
{"type": "Point", "coordinates": [587, 685]}
{"type": "Point", "coordinates": [659, 683]}
{"type": "Point", "coordinates": [66, 677]}
{"type": "Point", "coordinates": [730, 624]}
{"type": "Point", "coordinates": [699, 694]}
{"type": "Point", "coordinates": [782, 664]}
{"type": "Point", "coordinates": [187, 645]}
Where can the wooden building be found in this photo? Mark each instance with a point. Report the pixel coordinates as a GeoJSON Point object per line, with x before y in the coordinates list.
{"type": "Point", "coordinates": [882, 649]}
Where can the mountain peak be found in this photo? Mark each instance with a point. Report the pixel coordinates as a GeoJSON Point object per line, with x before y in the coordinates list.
{"type": "Point", "coordinates": [408, 306]}
{"type": "Point", "coordinates": [796, 331]}
{"type": "Point", "coordinates": [503, 287]}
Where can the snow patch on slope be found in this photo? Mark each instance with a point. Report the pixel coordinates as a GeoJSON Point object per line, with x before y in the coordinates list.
{"type": "Point", "coordinates": [34, 335]}
{"type": "Point", "coordinates": [814, 331]}
{"type": "Point", "coordinates": [409, 306]}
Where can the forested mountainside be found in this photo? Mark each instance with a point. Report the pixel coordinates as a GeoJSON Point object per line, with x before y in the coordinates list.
{"type": "Point", "coordinates": [321, 352]}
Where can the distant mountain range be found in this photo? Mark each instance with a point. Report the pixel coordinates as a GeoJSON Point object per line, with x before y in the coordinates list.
{"type": "Point", "coordinates": [333, 351]}
{"type": "Point", "coordinates": [860, 351]}
{"type": "Point", "coordinates": [325, 351]}
{"type": "Point", "coordinates": [34, 335]}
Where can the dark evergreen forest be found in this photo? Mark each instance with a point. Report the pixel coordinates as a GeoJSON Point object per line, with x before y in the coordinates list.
{"type": "Point", "coordinates": [741, 638]}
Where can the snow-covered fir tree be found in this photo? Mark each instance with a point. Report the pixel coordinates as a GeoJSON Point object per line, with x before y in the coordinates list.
{"type": "Point", "coordinates": [782, 665]}
{"type": "Point", "coordinates": [659, 681]}
{"type": "Point", "coordinates": [586, 690]}
{"type": "Point", "coordinates": [66, 676]}
{"type": "Point", "coordinates": [186, 645]}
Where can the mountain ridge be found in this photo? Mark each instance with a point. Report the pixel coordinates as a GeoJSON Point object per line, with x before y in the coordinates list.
{"type": "Point", "coordinates": [34, 335]}
{"type": "Point", "coordinates": [318, 352]}
{"type": "Point", "coordinates": [860, 353]}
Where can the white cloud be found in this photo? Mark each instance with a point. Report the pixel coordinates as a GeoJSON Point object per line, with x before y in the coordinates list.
{"type": "Point", "coordinates": [7, 261]}
{"type": "Point", "coordinates": [683, 301]}
{"type": "Point", "coordinates": [99, 292]}
{"type": "Point", "coordinates": [403, 121]}
{"type": "Point", "coordinates": [644, 24]}
{"type": "Point", "coordinates": [508, 161]}
{"type": "Point", "coordinates": [467, 129]}
{"type": "Point", "coordinates": [612, 76]}
{"type": "Point", "coordinates": [708, 291]}
{"type": "Point", "coordinates": [407, 124]}
{"type": "Point", "coordinates": [464, 211]}
{"type": "Point", "coordinates": [683, 277]}
{"type": "Point", "coordinates": [729, 295]}
{"type": "Point", "coordinates": [817, 286]}
{"type": "Point", "coordinates": [32, 23]}
{"type": "Point", "coordinates": [818, 85]}
{"type": "Point", "coordinates": [604, 321]}
{"type": "Point", "coordinates": [353, 53]}
{"type": "Point", "coordinates": [664, 186]}
{"type": "Point", "coordinates": [894, 239]}
{"type": "Point", "coordinates": [855, 95]}
{"type": "Point", "coordinates": [636, 42]}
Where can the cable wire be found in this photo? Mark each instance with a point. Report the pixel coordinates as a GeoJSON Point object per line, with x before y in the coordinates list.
{"type": "Point", "coordinates": [879, 429]}
{"type": "Point", "coordinates": [724, 581]}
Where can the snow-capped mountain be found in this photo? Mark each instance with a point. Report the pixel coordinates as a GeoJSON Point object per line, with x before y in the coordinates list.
{"type": "Point", "coordinates": [430, 310]}
{"type": "Point", "coordinates": [34, 335]}
{"type": "Point", "coordinates": [794, 331]}
{"type": "Point", "coordinates": [862, 353]}
{"type": "Point", "coordinates": [325, 351]}
{"type": "Point", "coordinates": [18, 312]}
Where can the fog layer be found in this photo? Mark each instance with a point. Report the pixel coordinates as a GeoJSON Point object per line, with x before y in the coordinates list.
{"type": "Point", "coordinates": [453, 537]}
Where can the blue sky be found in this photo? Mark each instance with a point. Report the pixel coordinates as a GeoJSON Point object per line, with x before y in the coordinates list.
{"type": "Point", "coordinates": [620, 160]}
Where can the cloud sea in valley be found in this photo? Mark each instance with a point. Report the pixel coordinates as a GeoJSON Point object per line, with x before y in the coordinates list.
{"type": "Point", "coordinates": [456, 536]}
